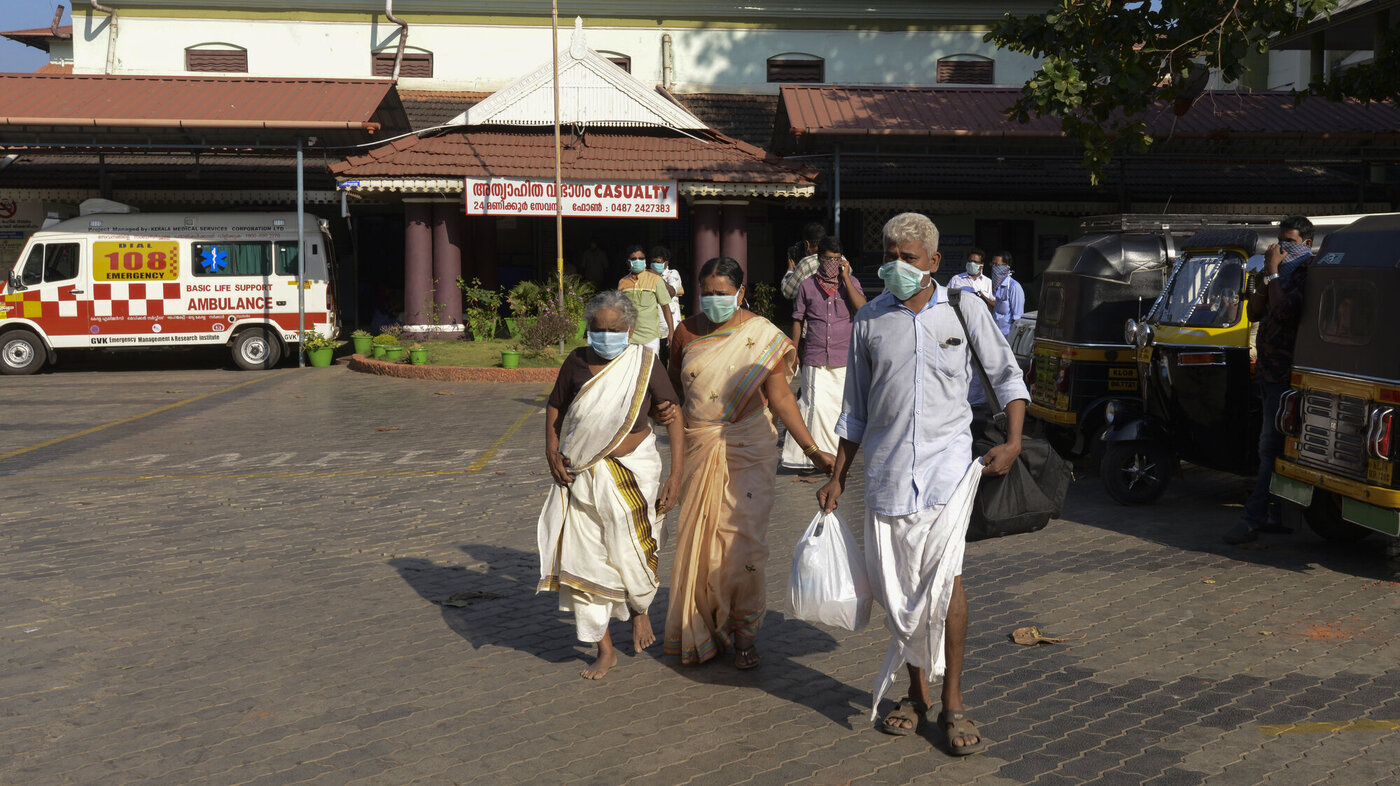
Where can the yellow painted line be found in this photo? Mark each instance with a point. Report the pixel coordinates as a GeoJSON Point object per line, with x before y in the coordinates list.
{"type": "Point", "coordinates": [1328, 728]}
{"type": "Point", "coordinates": [485, 458]}
{"type": "Point", "coordinates": [155, 411]}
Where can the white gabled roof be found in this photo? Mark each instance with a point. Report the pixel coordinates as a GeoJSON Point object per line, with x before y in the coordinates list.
{"type": "Point", "coordinates": [593, 91]}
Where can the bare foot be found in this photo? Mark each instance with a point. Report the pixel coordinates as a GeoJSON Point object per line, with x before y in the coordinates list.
{"type": "Point", "coordinates": [607, 658]}
{"type": "Point", "coordinates": [642, 634]}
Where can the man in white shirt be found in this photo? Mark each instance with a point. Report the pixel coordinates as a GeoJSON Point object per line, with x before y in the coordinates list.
{"type": "Point", "coordinates": [972, 279]}
{"type": "Point", "coordinates": [906, 401]}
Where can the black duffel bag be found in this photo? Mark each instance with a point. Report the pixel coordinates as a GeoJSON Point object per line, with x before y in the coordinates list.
{"type": "Point", "coordinates": [1033, 491]}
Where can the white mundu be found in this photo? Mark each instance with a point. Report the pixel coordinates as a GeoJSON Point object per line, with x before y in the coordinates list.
{"type": "Point", "coordinates": [912, 562]}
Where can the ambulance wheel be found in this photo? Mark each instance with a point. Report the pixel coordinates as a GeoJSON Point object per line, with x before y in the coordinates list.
{"type": "Point", "coordinates": [1135, 472]}
{"type": "Point", "coordinates": [256, 348]}
{"type": "Point", "coordinates": [21, 352]}
{"type": "Point", "coordinates": [1324, 517]}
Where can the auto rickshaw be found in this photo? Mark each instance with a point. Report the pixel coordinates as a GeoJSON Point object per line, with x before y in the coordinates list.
{"type": "Point", "coordinates": [1081, 359]}
{"type": "Point", "coordinates": [1198, 399]}
{"type": "Point", "coordinates": [1341, 415]}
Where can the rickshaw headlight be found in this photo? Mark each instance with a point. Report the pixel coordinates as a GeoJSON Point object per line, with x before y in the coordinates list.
{"type": "Point", "coordinates": [1144, 334]}
{"type": "Point", "coordinates": [1110, 411]}
{"type": "Point", "coordinates": [1130, 331]}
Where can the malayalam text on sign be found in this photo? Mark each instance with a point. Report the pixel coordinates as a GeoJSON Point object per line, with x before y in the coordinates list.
{"type": "Point", "coordinates": [505, 196]}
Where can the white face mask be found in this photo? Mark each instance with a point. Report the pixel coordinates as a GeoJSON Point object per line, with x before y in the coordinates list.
{"type": "Point", "coordinates": [974, 269]}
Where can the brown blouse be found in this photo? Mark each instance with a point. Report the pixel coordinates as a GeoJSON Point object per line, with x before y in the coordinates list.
{"type": "Point", "coordinates": [575, 372]}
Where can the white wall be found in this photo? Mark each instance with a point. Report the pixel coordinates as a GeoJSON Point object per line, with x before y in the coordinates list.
{"type": "Point", "coordinates": [482, 57]}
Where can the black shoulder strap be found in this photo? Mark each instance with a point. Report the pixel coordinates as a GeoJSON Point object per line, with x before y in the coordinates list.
{"type": "Point", "coordinates": [955, 298]}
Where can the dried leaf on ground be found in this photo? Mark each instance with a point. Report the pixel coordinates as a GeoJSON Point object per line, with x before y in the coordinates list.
{"type": "Point", "coordinates": [444, 393]}
{"type": "Point", "coordinates": [1031, 635]}
{"type": "Point", "coordinates": [386, 428]}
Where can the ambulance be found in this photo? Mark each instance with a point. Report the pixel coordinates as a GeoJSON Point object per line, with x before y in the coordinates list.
{"type": "Point", "coordinates": [143, 280]}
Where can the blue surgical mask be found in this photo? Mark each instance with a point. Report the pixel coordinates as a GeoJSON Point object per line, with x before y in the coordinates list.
{"type": "Point", "coordinates": [719, 308]}
{"type": "Point", "coordinates": [974, 269]}
{"type": "Point", "coordinates": [658, 267]}
{"type": "Point", "coordinates": [903, 279]}
{"type": "Point", "coordinates": [637, 265]}
{"type": "Point", "coordinates": [607, 344]}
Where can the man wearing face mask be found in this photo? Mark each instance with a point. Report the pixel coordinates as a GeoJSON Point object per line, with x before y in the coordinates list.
{"type": "Point", "coordinates": [659, 262]}
{"type": "Point", "coordinates": [972, 280]}
{"type": "Point", "coordinates": [648, 291]}
{"type": "Point", "coordinates": [906, 400]}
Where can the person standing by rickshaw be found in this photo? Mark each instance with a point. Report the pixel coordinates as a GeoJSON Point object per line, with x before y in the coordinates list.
{"type": "Point", "coordinates": [1276, 306]}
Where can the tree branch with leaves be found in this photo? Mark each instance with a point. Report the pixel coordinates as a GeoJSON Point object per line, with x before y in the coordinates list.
{"type": "Point", "coordinates": [1106, 62]}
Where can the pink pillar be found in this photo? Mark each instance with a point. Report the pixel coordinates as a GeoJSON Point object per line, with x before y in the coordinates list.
{"type": "Point", "coordinates": [706, 221]}
{"type": "Point", "coordinates": [447, 261]}
{"type": "Point", "coordinates": [735, 235]}
{"type": "Point", "coordinates": [417, 261]}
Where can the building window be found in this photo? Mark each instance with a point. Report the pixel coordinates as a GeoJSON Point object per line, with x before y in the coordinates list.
{"type": "Point", "coordinates": [621, 61]}
{"type": "Point", "coordinates": [217, 58]}
{"type": "Point", "coordinates": [417, 65]}
{"type": "Point", "coordinates": [796, 67]}
{"type": "Point", "coordinates": [966, 70]}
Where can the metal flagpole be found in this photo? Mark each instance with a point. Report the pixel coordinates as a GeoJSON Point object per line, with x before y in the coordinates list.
{"type": "Point", "coordinates": [558, 171]}
{"type": "Point", "coordinates": [301, 260]}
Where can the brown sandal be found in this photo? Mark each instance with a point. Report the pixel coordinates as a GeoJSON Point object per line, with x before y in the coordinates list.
{"type": "Point", "coordinates": [909, 709]}
{"type": "Point", "coordinates": [955, 723]}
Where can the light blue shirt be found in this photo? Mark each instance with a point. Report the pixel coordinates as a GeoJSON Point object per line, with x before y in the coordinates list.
{"type": "Point", "coordinates": [1011, 304]}
{"type": "Point", "coordinates": [906, 396]}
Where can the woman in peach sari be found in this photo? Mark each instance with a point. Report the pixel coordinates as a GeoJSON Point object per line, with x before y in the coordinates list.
{"type": "Point", "coordinates": [730, 367]}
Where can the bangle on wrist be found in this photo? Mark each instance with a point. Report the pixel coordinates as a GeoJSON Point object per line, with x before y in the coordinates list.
{"type": "Point", "coordinates": [811, 450]}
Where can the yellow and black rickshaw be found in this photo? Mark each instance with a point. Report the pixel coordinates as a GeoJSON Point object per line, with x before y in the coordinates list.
{"type": "Point", "coordinates": [1341, 415]}
{"type": "Point", "coordinates": [1198, 399]}
{"type": "Point", "coordinates": [1111, 274]}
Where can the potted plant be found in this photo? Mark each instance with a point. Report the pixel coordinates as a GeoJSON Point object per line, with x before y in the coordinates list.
{"type": "Point", "coordinates": [318, 348]}
{"type": "Point", "coordinates": [364, 342]}
{"type": "Point", "coordinates": [382, 342]}
{"type": "Point", "coordinates": [418, 353]}
{"type": "Point", "coordinates": [510, 357]}
{"type": "Point", "coordinates": [523, 300]}
{"type": "Point", "coordinates": [480, 307]}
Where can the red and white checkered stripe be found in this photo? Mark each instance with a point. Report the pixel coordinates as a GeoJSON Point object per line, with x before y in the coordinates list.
{"type": "Point", "coordinates": [136, 299]}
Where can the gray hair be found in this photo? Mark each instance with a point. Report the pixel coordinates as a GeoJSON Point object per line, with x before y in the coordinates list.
{"type": "Point", "coordinates": [611, 300]}
{"type": "Point", "coordinates": [908, 227]}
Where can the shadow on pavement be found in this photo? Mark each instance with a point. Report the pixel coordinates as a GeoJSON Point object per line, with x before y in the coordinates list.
{"type": "Point", "coordinates": [1200, 505]}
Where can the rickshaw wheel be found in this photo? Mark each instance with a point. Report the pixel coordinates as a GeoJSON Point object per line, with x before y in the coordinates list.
{"type": "Point", "coordinates": [1135, 472]}
{"type": "Point", "coordinates": [1324, 517]}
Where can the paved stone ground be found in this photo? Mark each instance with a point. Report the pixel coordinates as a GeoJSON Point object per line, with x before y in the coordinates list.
{"type": "Point", "coordinates": [238, 578]}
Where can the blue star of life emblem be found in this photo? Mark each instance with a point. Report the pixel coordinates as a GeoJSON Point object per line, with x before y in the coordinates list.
{"type": "Point", "coordinates": [214, 259]}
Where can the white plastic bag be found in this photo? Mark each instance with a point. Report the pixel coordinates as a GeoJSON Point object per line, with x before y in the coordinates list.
{"type": "Point", "coordinates": [829, 583]}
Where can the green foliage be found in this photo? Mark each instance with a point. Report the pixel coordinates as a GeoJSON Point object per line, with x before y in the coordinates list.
{"type": "Point", "coordinates": [386, 340]}
{"type": "Point", "coordinates": [524, 299]}
{"type": "Point", "coordinates": [432, 309]}
{"type": "Point", "coordinates": [577, 293]}
{"type": "Point", "coordinates": [480, 307]}
{"type": "Point", "coordinates": [360, 334]}
{"type": "Point", "coordinates": [313, 340]}
{"type": "Point", "coordinates": [547, 331]}
{"type": "Point", "coordinates": [1373, 81]}
{"type": "Point", "coordinates": [763, 300]}
{"type": "Point", "coordinates": [1106, 63]}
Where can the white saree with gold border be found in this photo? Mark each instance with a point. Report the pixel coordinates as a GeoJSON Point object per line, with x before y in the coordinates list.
{"type": "Point", "coordinates": [598, 538]}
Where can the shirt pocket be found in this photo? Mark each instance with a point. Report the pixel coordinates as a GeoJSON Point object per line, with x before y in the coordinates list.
{"type": "Point", "coordinates": [951, 359]}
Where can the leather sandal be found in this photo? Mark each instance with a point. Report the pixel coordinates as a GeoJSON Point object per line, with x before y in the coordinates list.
{"type": "Point", "coordinates": [909, 710]}
{"type": "Point", "coordinates": [955, 723]}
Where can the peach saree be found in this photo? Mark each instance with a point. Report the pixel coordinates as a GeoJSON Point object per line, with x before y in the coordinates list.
{"type": "Point", "coordinates": [731, 461]}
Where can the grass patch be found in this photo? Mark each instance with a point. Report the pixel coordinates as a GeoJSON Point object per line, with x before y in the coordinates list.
{"type": "Point", "coordinates": [487, 354]}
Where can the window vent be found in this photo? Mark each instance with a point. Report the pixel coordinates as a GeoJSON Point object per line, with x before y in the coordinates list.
{"type": "Point", "coordinates": [980, 71]}
{"type": "Point", "coordinates": [217, 60]}
{"type": "Point", "coordinates": [796, 69]}
{"type": "Point", "coordinates": [414, 65]}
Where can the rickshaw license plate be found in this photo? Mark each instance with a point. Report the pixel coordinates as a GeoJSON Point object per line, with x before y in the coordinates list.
{"type": "Point", "coordinates": [1379, 472]}
{"type": "Point", "coordinates": [1123, 373]}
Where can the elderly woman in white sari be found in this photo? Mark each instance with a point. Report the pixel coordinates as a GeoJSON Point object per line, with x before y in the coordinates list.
{"type": "Point", "coordinates": [601, 526]}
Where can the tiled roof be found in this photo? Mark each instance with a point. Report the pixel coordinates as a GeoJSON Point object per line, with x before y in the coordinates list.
{"type": "Point", "coordinates": [980, 112]}
{"type": "Point", "coordinates": [746, 117]}
{"type": "Point", "coordinates": [635, 154]}
{"type": "Point", "coordinates": [193, 101]}
{"type": "Point", "coordinates": [39, 37]}
{"type": "Point", "coordinates": [432, 108]}
{"type": "Point", "coordinates": [55, 68]}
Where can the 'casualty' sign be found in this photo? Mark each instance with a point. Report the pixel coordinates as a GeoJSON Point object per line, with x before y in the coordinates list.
{"type": "Point", "coordinates": [506, 196]}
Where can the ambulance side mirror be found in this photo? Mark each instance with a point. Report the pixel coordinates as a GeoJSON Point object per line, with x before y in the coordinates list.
{"type": "Point", "coordinates": [15, 284]}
